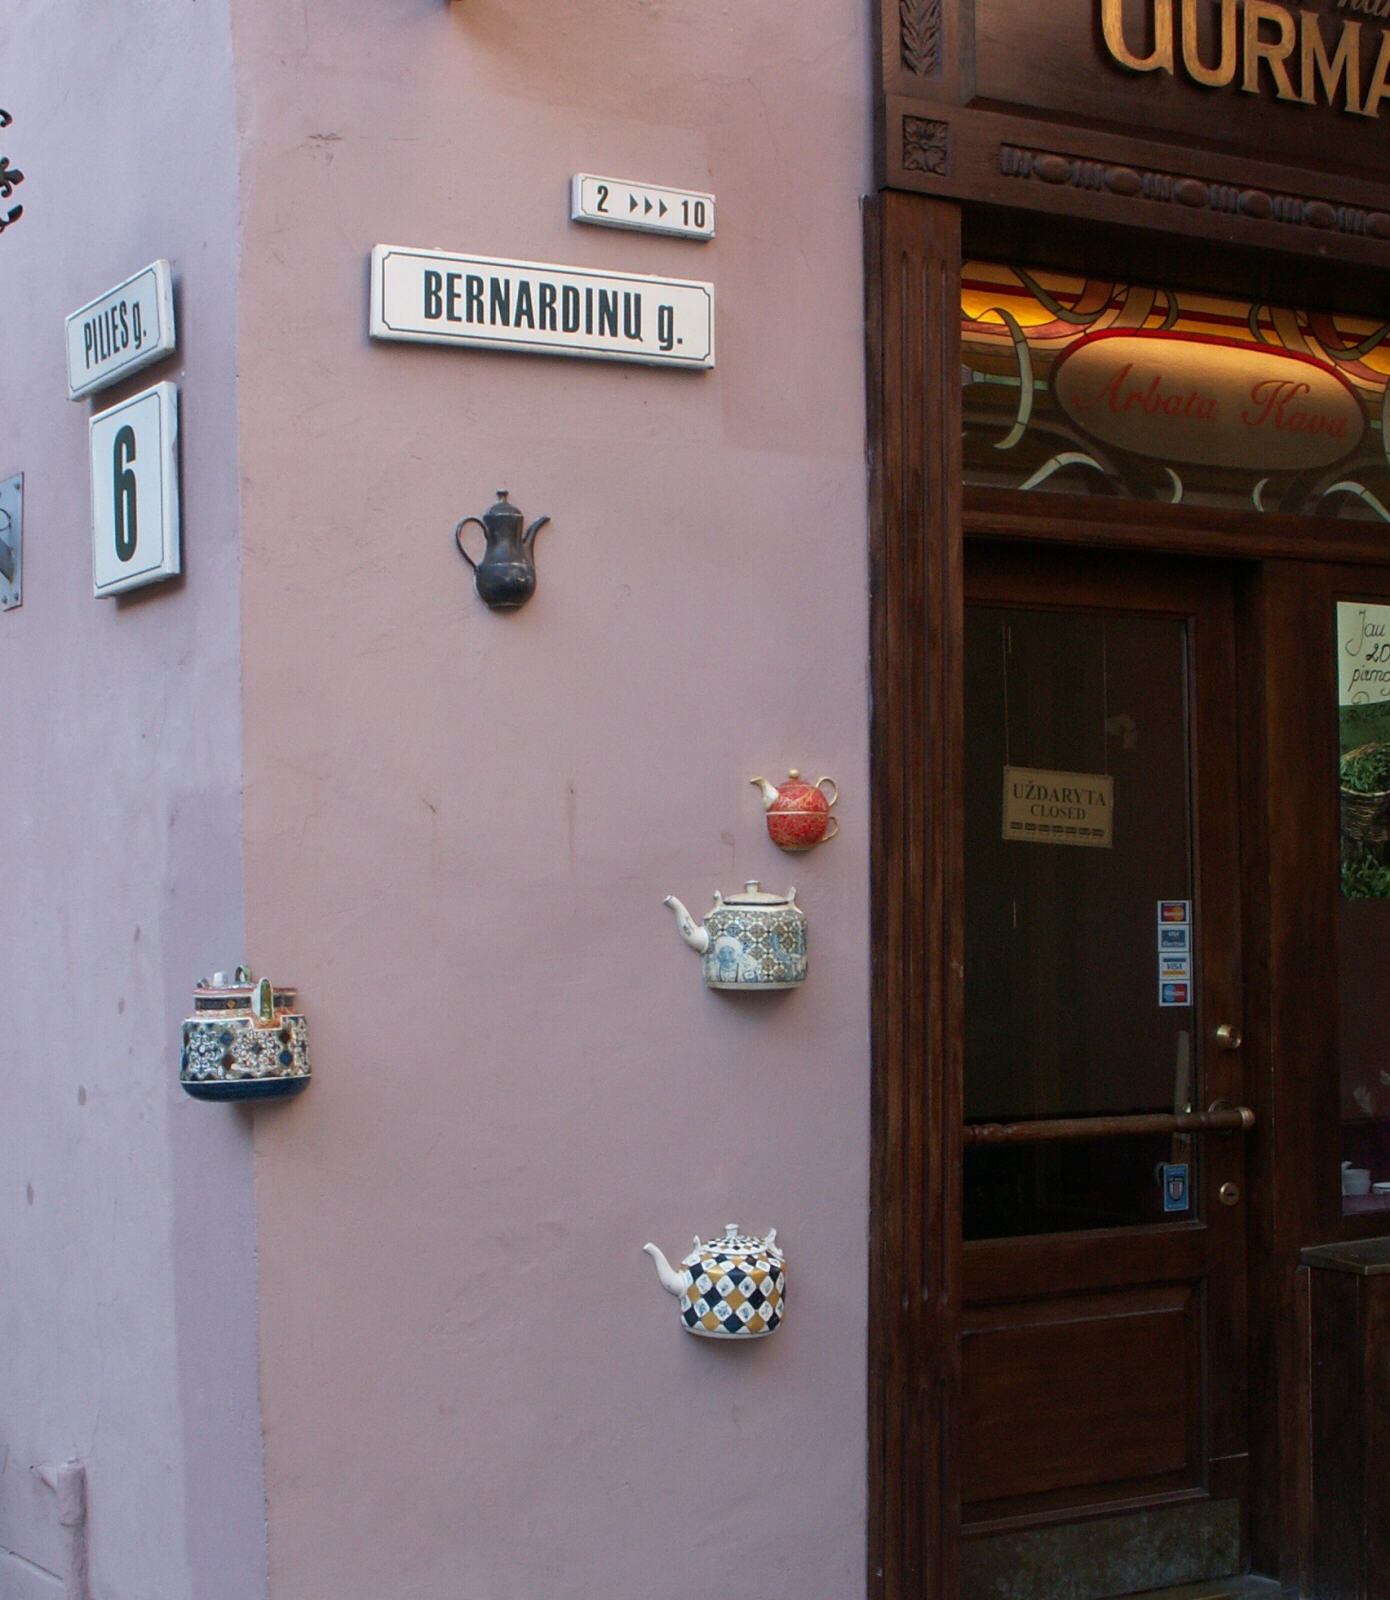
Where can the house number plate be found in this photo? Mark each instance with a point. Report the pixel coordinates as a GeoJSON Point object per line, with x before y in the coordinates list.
{"type": "Point", "coordinates": [135, 491]}
{"type": "Point", "coordinates": [616, 203]}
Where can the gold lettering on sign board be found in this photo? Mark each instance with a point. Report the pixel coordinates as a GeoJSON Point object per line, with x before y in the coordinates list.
{"type": "Point", "coordinates": [1224, 72]}
{"type": "Point", "coordinates": [1263, 44]}
{"type": "Point", "coordinates": [1345, 65]}
{"type": "Point", "coordinates": [1380, 79]}
{"type": "Point", "coordinates": [1113, 26]}
{"type": "Point", "coordinates": [1273, 52]}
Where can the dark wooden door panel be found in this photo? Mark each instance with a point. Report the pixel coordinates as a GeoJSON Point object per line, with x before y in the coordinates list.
{"type": "Point", "coordinates": [1079, 1393]}
{"type": "Point", "coordinates": [1021, 1269]}
{"type": "Point", "coordinates": [1103, 1365]}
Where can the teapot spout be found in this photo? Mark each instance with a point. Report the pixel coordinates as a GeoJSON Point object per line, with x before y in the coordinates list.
{"type": "Point", "coordinates": [532, 531]}
{"type": "Point", "coordinates": [671, 1280]}
{"type": "Point", "coordinates": [695, 936]}
{"type": "Point", "coordinates": [768, 790]}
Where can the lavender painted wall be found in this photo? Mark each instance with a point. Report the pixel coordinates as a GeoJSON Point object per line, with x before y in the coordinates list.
{"type": "Point", "coordinates": [459, 826]}
{"type": "Point", "coordinates": [127, 1315]}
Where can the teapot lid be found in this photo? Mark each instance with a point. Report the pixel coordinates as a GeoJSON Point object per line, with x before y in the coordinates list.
{"type": "Point", "coordinates": [240, 981]}
{"type": "Point", "coordinates": [752, 895]}
{"type": "Point", "coordinates": [502, 510]}
{"type": "Point", "coordinates": [732, 1242]}
{"type": "Point", "coordinates": [240, 990]}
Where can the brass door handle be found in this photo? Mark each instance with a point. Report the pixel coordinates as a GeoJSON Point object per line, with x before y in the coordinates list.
{"type": "Point", "coordinates": [1221, 1117]}
{"type": "Point", "coordinates": [1234, 1119]}
{"type": "Point", "coordinates": [1229, 1037]}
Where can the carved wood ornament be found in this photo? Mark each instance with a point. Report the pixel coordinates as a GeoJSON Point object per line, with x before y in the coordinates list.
{"type": "Point", "coordinates": [920, 24]}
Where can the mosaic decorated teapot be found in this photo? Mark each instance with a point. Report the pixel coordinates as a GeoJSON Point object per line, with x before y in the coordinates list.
{"type": "Point", "coordinates": [751, 941]}
{"type": "Point", "coordinates": [733, 1287]}
{"type": "Point", "coordinates": [245, 1040]}
{"type": "Point", "coordinates": [798, 813]}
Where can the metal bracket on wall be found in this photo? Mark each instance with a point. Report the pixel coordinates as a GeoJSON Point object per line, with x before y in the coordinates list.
{"type": "Point", "coordinates": [69, 1484]}
{"type": "Point", "coordinates": [11, 542]}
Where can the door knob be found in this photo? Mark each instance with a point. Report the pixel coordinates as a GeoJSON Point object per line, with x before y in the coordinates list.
{"type": "Point", "coordinates": [1228, 1194]}
{"type": "Point", "coordinates": [1228, 1036]}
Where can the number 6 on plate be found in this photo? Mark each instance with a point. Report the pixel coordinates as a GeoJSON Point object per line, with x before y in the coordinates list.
{"type": "Point", "coordinates": [135, 491]}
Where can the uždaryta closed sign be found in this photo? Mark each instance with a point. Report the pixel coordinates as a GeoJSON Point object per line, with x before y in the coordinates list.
{"type": "Point", "coordinates": [1058, 807]}
{"type": "Point", "coordinates": [481, 302]}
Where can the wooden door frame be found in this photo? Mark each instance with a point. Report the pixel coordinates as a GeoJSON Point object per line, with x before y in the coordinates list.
{"type": "Point", "coordinates": [916, 599]}
{"type": "Point", "coordinates": [919, 518]}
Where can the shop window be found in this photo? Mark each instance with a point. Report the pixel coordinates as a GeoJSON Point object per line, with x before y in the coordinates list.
{"type": "Point", "coordinates": [1363, 922]}
{"type": "Point", "coordinates": [1093, 386]}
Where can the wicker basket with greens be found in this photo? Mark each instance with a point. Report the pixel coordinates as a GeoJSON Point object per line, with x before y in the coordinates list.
{"type": "Point", "coordinates": [1365, 779]}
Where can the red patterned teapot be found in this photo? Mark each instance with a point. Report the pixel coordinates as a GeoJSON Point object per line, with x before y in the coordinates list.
{"type": "Point", "coordinates": [798, 814]}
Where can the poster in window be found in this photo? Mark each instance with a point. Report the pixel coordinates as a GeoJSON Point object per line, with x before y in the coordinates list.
{"type": "Point", "coordinates": [1363, 726]}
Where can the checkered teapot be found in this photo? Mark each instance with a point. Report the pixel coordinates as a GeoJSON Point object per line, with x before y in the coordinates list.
{"type": "Point", "coordinates": [734, 1287]}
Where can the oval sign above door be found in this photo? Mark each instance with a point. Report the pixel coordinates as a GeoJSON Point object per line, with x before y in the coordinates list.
{"type": "Point", "coordinates": [1208, 402]}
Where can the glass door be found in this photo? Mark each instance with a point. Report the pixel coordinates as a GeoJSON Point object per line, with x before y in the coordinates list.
{"type": "Point", "coordinates": [1103, 1346]}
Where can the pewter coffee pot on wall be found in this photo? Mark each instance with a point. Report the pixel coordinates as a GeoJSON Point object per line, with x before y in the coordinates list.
{"type": "Point", "coordinates": [505, 578]}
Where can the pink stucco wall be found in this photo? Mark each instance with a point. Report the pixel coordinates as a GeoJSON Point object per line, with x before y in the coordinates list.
{"type": "Point", "coordinates": [459, 826]}
{"type": "Point", "coordinates": [127, 1311]}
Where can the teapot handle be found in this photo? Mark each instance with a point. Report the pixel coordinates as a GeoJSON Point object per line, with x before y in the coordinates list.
{"type": "Point", "coordinates": [459, 542]}
{"type": "Point", "coordinates": [834, 794]}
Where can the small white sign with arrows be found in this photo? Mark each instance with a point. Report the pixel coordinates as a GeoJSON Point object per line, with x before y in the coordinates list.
{"type": "Point", "coordinates": [645, 207]}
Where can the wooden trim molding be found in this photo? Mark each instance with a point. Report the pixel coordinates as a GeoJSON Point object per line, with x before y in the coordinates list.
{"type": "Point", "coordinates": [1165, 187]}
{"type": "Point", "coordinates": [916, 587]}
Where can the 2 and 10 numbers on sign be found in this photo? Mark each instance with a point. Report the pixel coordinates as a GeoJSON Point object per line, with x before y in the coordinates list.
{"type": "Point", "coordinates": [643, 207]}
{"type": "Point", "coordinates": [692, 212]}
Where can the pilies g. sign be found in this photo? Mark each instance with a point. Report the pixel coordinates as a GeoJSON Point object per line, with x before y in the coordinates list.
{"type": "Point", "coordinates": [1260, 47]}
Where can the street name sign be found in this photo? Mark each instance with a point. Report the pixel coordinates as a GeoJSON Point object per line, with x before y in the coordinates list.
{"type": "Point", "coordinates": [121, 331]}
{"type": "Point", "coordinates": [487, 303]}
